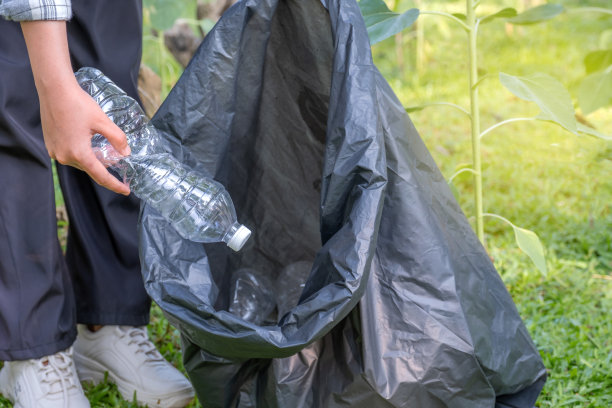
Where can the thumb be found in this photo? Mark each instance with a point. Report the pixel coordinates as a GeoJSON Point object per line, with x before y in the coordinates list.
{"type": "Point", "coordinates": [113, 134]}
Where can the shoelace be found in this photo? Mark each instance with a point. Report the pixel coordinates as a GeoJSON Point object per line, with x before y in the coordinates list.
{"type": "Point", "coordinates": [139, 337]}
{"type": "Point", "coordinates": [58, 373]}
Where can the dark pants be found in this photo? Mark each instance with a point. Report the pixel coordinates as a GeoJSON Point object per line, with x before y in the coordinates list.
{"type": "Point", "coordinates": [42, 293]}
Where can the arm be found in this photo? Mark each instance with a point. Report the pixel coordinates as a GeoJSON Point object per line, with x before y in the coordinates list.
{"type": "Point", "coordinates": [69, 116]}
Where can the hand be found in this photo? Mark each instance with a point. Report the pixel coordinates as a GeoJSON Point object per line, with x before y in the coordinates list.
{"type": "Point", "coordinates": [69, 116]}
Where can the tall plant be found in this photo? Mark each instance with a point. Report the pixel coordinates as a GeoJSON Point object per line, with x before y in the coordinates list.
{"type": "Point", "coordinates": [549, 94]}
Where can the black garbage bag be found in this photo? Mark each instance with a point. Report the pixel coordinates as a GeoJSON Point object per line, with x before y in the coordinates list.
{"type": "Point", "coordinates": [403, 308]}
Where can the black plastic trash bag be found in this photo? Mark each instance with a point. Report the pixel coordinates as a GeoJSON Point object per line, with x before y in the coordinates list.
{"type": "Point", "coordinates": [403, 308]}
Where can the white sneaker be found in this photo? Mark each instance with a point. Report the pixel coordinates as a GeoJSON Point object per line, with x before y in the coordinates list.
{"type": "Point", "coordinates": [48, 382]}
{"type": "Point", "coordinates": [133, 363]}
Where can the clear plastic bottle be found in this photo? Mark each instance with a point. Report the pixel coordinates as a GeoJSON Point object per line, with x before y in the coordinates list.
{"type": "Point", "coordinates": [290, 285]}
{"type": "Point", "coordinates": [251, 296]}
{"type": "Point", "coordinates": [199, 208]}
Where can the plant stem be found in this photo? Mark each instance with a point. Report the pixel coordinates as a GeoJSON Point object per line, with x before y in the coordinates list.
{"type": "Point", "coordinates": [447, 15]}
{"type": "Point", "coordinates": [452, 105]}
{"type": "Point", "coordinates": [475, 116]}
{"type": "Point", "coordinates": [499, 217]}
{"type": "Point", "coordinates": [495, 126]}
{"type": "Point", "coordinates": [482, 78]}
{"type": "Point", "coordinates": [451, 178]}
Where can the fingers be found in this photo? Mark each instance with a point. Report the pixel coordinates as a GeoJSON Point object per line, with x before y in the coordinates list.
{"type": "Point", "coordinates": [89, 163]}
{"type": "Point", "coordinates": [113, 134]}
{"type": "Point", "coordinates": [96, 170]}
{"type": "Point", "coordinates": [69, 120]}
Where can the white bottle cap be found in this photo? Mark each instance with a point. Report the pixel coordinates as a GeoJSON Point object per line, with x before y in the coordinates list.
{"type": "Point", "coordinates": [239, 238]}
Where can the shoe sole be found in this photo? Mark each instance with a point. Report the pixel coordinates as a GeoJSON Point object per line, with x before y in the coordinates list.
{"type": "Point", "coordinates": [94, 372]}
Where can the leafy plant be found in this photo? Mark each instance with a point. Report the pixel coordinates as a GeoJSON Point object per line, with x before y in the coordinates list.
{"type": "Point", "coordinates": [549, 94]}
{"type": "Point", "coordinates": [382, 23]}
{"type": "Point", "coordinates": [595, 90]}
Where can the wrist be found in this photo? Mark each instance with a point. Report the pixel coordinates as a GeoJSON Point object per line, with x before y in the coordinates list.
{"type": "Point", "coordinates": [62, 83]}
{"type": "Point", "coordinates": [47, 44]}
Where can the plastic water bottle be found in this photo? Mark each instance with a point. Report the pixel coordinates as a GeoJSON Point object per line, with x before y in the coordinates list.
{"type": "Point", "coordinates": [251, 296]}
{"type": "Point", "coordinates": [290, 285]}
{"type": "Point", "coordinates": [199, 208]}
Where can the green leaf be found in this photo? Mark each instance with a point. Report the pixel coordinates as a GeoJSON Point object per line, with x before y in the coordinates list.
{"type": "Point", "coordinates": [392, 26]}
{"type": "Point", "coordinates": [381, 22]}
{"type": "Point", "coordinates": [377, 18]}
{"type": "Point", "coordinates": [537, 14]}
{"type": "Point", "coordinates": [416, 108]}
{"type": "Point", "coordinates": [548, 93]}
{"type": "Point", "coordinates": [165, 12]}
{"type": "Point", "coordinates": [592, 132]}
{"type": "Point", "coordinates": [383, 25]}
{"type": "Point", "coordinates": [481, 80]}
{"type": "Point", "coordinates": [371, 7]}
{"type": "Point", "coordinates": [505, 13]}
{"type": "Point", "coordinates": [595, 91]}
{"type": "Point", "coordinates": [461, 17]}
{"type": "Point", "coordinates": [597, 60]}
{"type": "Point", "coordinates": [530, 244]}
{"type": "Point", "coordinates": [579, 127]}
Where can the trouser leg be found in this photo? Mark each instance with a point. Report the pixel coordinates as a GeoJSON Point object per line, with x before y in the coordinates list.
{"type": "Point", "coordinates": [102, 249]}
{"type": "Point", "coordinates": [37, 314]}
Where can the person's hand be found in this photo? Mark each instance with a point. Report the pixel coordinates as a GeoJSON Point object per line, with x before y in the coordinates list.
{"type": "Point", "coordinates": [69, 116]}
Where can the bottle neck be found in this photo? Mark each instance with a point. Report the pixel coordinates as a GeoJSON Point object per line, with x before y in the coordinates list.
{"type": "Point", "coordinates": [231, 232]}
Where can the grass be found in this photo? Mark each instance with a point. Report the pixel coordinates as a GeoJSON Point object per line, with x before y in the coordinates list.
{"type": "Point", "coordinates": [535, 174]}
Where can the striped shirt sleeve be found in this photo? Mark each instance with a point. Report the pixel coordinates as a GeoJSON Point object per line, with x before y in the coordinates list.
{"type": "Point", "coordinates": [27, 10]}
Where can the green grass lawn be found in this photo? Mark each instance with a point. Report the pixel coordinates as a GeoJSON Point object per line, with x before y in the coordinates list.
{"type": "Point", "coordinates": [535, 174]}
